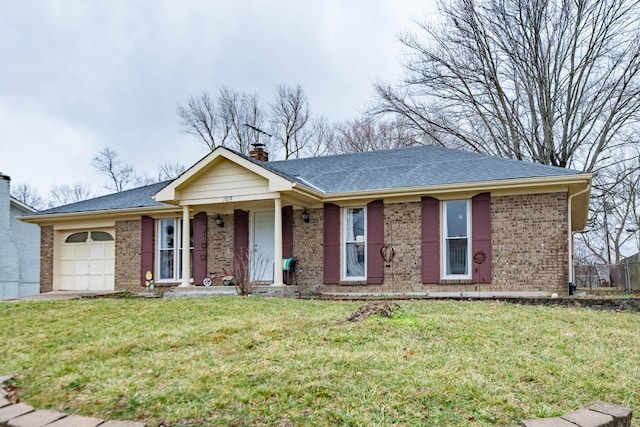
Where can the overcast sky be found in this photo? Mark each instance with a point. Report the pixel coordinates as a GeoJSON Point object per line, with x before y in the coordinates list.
{"type": "Point", "coordinates": [79, 75]}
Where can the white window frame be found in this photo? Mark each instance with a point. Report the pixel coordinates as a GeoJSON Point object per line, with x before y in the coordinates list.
{"type": "Point", "coordinates": [177, 250]}
{"type": "Point", "coordinates": [347, 240]}
{"type": "Point", "coordinates": [444, 239]}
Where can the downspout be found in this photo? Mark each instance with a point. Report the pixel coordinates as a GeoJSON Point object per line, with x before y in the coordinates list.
{"type": "Point", "coordinates": [570, 237]}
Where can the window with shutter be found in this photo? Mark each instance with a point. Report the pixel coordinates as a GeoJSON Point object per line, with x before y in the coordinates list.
{"type": "Point", "coordinates": [456, 245]}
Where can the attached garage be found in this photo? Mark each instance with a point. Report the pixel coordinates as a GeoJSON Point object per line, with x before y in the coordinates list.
{"type": "Point", "coordinates": [87, 260]}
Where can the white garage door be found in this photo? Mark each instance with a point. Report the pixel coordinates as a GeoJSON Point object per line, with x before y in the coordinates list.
{"type": "Point", "coordinates": [87, 261]}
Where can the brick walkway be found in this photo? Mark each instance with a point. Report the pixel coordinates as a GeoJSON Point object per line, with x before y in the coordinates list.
{"type": "Point", "coordinates": [23, 415]}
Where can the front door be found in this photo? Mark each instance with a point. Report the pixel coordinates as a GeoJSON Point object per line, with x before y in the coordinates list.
{"type": "Point", "coordinates": [263, 243]}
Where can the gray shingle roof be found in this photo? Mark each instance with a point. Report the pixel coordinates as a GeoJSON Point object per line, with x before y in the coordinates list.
{"type": "Point", "coordinates": [377, 170]}
{"type": "Point", "coordinates": [140, 197]}
{"type": "Point", "coordinates": [406, 167]}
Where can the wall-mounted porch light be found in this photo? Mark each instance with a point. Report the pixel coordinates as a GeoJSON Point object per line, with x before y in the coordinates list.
{"type": "Point", "coordinates": [219, 221]}
{"type": "Point", "coordinates": [305, 215]}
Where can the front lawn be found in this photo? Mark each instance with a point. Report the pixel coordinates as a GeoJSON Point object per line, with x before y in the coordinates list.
{"type": "Point", "coordinates": [277, 362]}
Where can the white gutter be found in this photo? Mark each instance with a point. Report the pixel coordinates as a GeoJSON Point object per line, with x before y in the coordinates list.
{"type": "Point", "coordinates": [570, 232]}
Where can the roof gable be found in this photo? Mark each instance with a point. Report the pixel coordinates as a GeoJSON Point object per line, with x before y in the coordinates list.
{"type": "Point", "coordinates": [222, 176]}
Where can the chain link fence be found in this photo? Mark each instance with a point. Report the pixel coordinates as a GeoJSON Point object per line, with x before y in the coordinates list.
{"type": "Point", "coordinates": [622, 277]}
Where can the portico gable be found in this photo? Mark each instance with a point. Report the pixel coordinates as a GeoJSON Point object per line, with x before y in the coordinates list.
{"type": "Point", "coordinates": [224, 177]}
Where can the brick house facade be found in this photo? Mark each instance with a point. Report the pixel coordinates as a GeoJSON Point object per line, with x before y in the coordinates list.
{"type": "Point", "coordinates": [514, 238]}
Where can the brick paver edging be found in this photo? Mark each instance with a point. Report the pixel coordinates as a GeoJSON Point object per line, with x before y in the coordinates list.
{"type": "Point", "coordinates": [23, 415]}
{"type": "Point", "coordinates": [597, 415]}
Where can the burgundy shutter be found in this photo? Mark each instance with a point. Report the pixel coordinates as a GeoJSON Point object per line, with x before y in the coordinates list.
{"type": "Point", "coordinates": [375, 241]}
{"type": "Point", "coordinates": [287, 237]}
{"type": "Point", "coordinates": [430, 240]}
{"type": "Point", "coordinates": [481, 235]}
{"type": "Point", "coordinates": [331, 242]}
{"type": "Point", "coordinates": [146, 247]}
{"type": "Point", "coordinates": [287, 232]}
{"type": "Point", "coordinates": [241, 243]}
{"type": "Point", "coordinates": [199, 247]}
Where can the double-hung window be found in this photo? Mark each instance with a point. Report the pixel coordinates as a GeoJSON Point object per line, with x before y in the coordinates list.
{"type": "Point", "coordinates": [354, 244]}
{"type": "Point", "coordinates": [170, 249]}
{"type": "Point", "coordinates": [456, 244]}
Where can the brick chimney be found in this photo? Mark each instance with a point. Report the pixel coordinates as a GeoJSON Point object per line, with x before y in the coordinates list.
{"type": "Point", "coordinates": [258, 153]}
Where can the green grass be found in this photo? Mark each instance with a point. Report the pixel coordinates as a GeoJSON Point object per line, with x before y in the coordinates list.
{"type": "Point", "coordinates": [272, 362]}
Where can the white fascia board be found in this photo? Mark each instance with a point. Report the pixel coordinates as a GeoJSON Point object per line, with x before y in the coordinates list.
{"type": "Point", "coordinates": [544, 184]}
{"type": "Point", "coordinates": [81, 216]}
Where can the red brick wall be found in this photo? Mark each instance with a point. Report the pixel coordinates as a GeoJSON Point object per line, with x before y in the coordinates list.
{"type": "Point", "coordinates": [307, 247]}
{"type": "Point", "coordinates": [46, 258]}
{"type": "Point", "coordinates": [529, 248]}
{"type": "Point", "coordinates": [220, 244]}
{"type": "Point", "coordinates": [529, 245]}
{"type": "Point", "coordinates": [529, 238]}
{"type": "Point", "coordinates": [128, 241]}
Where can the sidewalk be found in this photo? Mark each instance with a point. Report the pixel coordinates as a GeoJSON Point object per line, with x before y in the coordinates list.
{"type": "Point", "coordinates": [59, 295]}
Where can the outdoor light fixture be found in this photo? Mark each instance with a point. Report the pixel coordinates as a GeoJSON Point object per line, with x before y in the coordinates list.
{"type": "Point", "coordinates": [305, 215]}
{"type": "Point", "coordinates": [219, 221]}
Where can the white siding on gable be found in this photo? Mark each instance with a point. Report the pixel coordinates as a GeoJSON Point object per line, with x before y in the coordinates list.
{"type": "Point", "coordinates": [225, 180]}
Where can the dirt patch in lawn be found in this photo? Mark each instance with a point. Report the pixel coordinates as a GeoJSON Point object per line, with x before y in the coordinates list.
{"type": "Point", "coordinates": [383, 309]}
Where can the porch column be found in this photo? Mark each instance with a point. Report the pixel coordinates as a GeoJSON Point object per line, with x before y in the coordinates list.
{"type": "Point", "coordinates": [186, 248]}
{"type": "Point", "coordinates": [277, 247]}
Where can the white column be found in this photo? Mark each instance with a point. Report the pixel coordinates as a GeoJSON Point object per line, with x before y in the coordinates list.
{"type": "Point", "coordinates": [277, 246]}
{"type": "Point", "coordinates": [186, 246]}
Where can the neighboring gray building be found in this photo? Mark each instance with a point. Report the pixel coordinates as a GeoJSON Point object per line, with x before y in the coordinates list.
{"type": "Point", "coordinates": [20, 248]}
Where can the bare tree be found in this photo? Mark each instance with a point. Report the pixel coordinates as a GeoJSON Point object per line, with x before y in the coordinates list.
{"type": "Point", "coordinates": [369, 134]}
{"type": "Point", "coordinates": [229, 121]}
{"type": "Point", "coordinates": [322, 139]}
{"type": "Point", "coordinates": [200, 117]}
{"type": "Point", "coordinates": [614, 220]}
{"type": "Point", "coordinates": [289, 117]}
{"type": "Point", "coordinates": [169, 170]}
{"type": "Point", "coordinates": [120, 174]}
{"type": "Point", "coordinates": [28, 195]}
{"type": "Point", "coordinates": [555, 82]}
{"type": "Point", "coordinates": [64, 194]}
{"type": "Point", "coordinates": [242, 116]}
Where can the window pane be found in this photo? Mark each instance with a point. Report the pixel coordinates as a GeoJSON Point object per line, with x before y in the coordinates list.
{"type": "Point", "coordinates": [355, 245]}
{"type": "Point", "coordinates": [166, 264]}
{"type": "Point", "coordinates": [457, 219]}
{"type": "Point", "coordinates": [167, 234]}
{"type": "Point", "coordinates": [77, 237]}
{"type": "Point", "coordinates": [456, 256]}
{"type": "Point", "coordinates": [355, 225]}
{"type": "Point", "coordinates": [101, 236]}
{"type": "Point", "coordinates": [355, 259]}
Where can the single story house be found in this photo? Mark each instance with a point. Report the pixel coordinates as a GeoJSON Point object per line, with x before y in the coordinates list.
{"type": "Point", "coordinates": [422, 219]}
{"type": "Point", "coordinates": [20, 248]}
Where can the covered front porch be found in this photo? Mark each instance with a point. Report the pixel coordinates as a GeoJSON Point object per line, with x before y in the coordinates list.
{"type": "Point", "coordinates": [242, 219]}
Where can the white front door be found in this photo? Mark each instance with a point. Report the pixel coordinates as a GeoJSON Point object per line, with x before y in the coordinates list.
{"type": "Point", "coordinates": [263, 243]}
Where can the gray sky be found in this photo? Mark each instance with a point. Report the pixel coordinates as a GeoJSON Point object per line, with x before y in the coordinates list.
{"type": "Point", "coordinates": [79, 75]}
